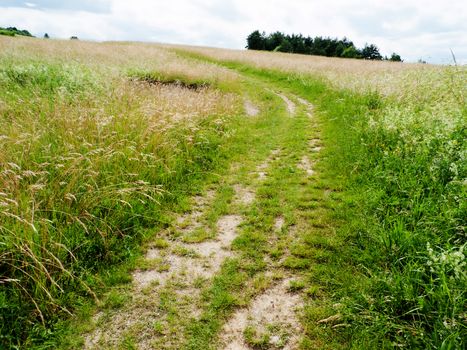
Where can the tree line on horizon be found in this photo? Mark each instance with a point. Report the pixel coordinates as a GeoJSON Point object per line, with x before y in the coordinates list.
{"type": "Point", "coordinates": [319, 46]}
{"type": "Point", "coordinates": [12, 31]}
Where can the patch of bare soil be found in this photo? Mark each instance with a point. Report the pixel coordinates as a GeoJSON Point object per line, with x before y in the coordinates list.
{"type": "Point", "coordinates": [201, 259]}
{"type": "Point", "coordinates": [212, 253]}
{"type": "Point", "coordinates": [278, 223]}
{"type": "Point", "coordinates": [290, 105]}
{"type": "Point", "coordinates": [306, 165]}
{"type": "Point", "coordinates": [190, 221]}
{"type": "Point", "coordinates": [308, 105]}
{"type": "Point", "coordinates": [227, 229]}
{"type": "Point", "coordinates": [244, 195]}
{"type": "Point", "coordinates": [262, 174]}
{"type": "Point", "coordinates": [275, 153]}
{"type": "Point", "coordinates": [176, 268]}
{"type": "Point", "coordinates": [250, 108]}
{"type": "Point", "coordinates": [270, 322]}
{"type": "Point", "coordinates": [109, 334]}
{"type": "Point", "coordinates": [170, 266]}
{"type": "Point", "coordinates": [315, 145]}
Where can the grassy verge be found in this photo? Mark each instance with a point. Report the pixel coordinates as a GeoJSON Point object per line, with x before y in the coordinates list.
{"type": "Point", "coordinates": [400, 218]}
{"type": "Point", "coordinates": [404, 221]}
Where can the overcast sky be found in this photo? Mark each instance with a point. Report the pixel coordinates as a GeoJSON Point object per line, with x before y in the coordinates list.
{"type": "Point", "coordinates": [415, 29]}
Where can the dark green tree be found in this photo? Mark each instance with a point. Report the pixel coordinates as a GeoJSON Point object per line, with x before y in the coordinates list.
{"type": "Point", "coordinates": [256, 41]}
{"type": "Point", "coordinates": [308, 42]}
{"type": "Point", "coordinates": [330, 47]}
{"type": "Point", "coordinates": [321, 46]}
{"type": "Point", "coordinates": [371, 52]}
{"type": "Point", "coordinates": [339, 50]}
{"type": "Point", "coordinates": [12, 31]}
{"type": "Point", "coordinates": [46, 36]}
{"type": "Point", "coordinates": [298, 43]}
{"type": "Point", "coordinates": [274, 40]}
{"type": "Point", "coordinates": [351, 52]}
{"type": "Point", "coordinates": [285, 46]}
{"type": "Point", "coordinates": [395, 57]}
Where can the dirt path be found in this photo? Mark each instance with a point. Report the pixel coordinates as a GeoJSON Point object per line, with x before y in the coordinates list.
{"type": "Point", "coordinates": [308, 105]}
{"type": "Point", "coordinates": [251, 109]}
{"type": "Point", "coordinates": [168, 292]}
{"type": "Point", "coordinates": [290, 105]}
{"type": "Point", "coordinates": [176, 267]}
{"type": "Point", "coordinates": [270, 321]}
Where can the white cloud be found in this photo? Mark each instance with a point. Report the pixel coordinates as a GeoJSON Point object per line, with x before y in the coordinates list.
{"type": "Point", "coordinates": [415, 29]}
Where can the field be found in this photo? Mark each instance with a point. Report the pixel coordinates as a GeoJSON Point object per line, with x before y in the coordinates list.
{"type": "Point", "coordinates": [164, 197]}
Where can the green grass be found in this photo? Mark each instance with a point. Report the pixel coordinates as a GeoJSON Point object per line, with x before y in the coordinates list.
{"type": "Point", "coordinates": [400, 220]}
{"type": "Point", "coordinates": [403, 197]}
{"type": "Point", "coordinates": [400, 217]}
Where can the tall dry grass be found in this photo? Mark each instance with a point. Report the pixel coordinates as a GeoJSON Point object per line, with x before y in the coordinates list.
{"type": "Point", "coordinates": [88, 154]}
{"type": "Point", "coordinates": [396, 79]}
